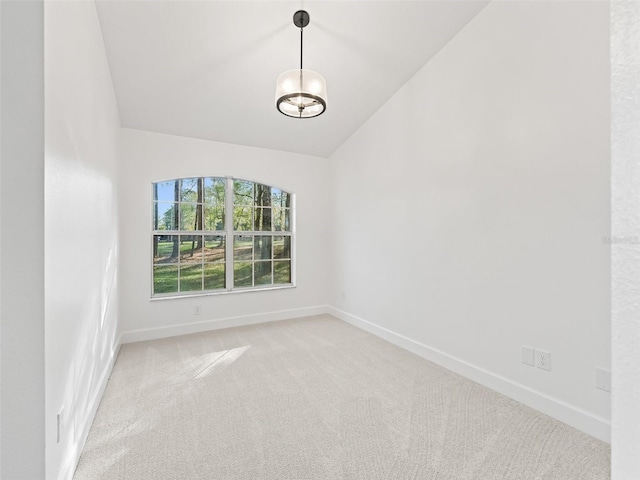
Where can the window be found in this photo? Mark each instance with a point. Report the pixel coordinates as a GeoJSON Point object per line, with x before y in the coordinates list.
{"type": "Point", "coordinates": [196, 249]}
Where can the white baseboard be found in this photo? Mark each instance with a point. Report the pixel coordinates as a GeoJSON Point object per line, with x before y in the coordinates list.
{"type": "Point", "coordinates": [74, 456]}
{"type": "Point", "coordinates": [580, 419]}
{"type": "Point", "coordinates": [239, 321]}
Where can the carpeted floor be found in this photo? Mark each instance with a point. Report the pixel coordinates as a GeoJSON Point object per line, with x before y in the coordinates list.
{"type": "Point", "coordinates": [316, 398]}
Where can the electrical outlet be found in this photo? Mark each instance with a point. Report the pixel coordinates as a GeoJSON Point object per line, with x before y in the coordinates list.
{"type": "Point", "coordinates": [528, 356]}
{"type": "Point", "coordinates": [59, 425]}
{"type": "Point", "coordinates": [197, 310]}
{"type": "Point", "coordinates": [543, 360]}
{"type": "Point", "coordinates": [603, 379]}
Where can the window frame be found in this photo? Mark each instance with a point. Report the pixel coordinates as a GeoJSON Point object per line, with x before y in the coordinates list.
{"type": "Point", "coordinates": [228, 233]}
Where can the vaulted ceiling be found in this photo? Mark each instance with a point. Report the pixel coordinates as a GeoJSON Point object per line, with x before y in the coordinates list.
{"type": "Point", "coordinates": [207, 69]}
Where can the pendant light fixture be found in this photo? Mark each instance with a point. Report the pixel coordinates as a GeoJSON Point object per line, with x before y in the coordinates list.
{"type": "Point", "coordinates": [301, 93]}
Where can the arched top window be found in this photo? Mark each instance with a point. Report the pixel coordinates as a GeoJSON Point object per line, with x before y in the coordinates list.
{"type": "Point", "coordinates": [214, 234]}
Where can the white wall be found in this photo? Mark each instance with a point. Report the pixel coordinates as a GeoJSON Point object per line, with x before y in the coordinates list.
{"type": "Point", "coordinates": [150, 157]}
{"type": "Point", "coordinates": [82, 133]}
{"type": "Point", "coordinates": [469, 212]}
{"type": "Point", "coordinates": [625, 258]}
{"type": "Point", "coordinates": [22, 373]}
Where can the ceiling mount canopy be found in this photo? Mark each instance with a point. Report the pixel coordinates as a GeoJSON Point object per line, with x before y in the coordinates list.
{"type": "Point", "coordinates": [301, 93]}
{"type": "Point", "coordinates": [301, 18]}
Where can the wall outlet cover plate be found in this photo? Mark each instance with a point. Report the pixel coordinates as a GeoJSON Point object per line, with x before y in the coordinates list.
{"type": "Point", "coordinates": [543, 360]}
{"type": "Point", "coordinates": [528, 356]}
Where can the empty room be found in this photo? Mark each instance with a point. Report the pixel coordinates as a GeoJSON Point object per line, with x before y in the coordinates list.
{"type": "Point", "coordinates": [319, 240]}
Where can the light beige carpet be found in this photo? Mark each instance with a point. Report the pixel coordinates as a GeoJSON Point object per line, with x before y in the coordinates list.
{"type": "Point", "coordinates": [319, 399]}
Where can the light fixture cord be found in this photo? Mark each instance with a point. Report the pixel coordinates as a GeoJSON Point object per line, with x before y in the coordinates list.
{"type": "Point", "coordinates": [301, 48]}
{"type": "Point", "coordinates": [301, 106]}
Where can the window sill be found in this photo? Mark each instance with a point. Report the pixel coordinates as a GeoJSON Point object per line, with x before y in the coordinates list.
{"type": "Point", "coordinates": [221, 292]}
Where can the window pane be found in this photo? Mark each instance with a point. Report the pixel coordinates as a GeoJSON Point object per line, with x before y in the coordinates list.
{"type": "Point", "coordinates": [257, 219]}
{"type": "Point", "coordinates": [242, 192]}
{"type": "Point", "coordinates": [199, 217]}
{"type": "Point", "coordinates": [214, 190]}
{"type": "Point", "coordinates": [278, 219]}
{"type": "Point", "coordinates": [282, 271]}
{"type": "Point", "coordinates": [278, 247]}
{"type": "Point", "coordinates": [165, 278]}
{"type": "Point", "coordinates": [287, 248]}
{"type": "Point", "coordinates": [214, 250]}
{"type": "Point", "coordinates": [242, 247]}
{"type": "Point", "coordinates": [166, 191]}
{"type": "Point", "coordinates": [191, 248]}
{"type": "Point", "coordinates": [262, 247]}
{"type": "Point", "coordinates": [262, 273]}
{"type": "Point", "coordinates": [281, 219]}
{"type": "Point", "coordinates": [164, 216]}
{"type": "Point", "coordinates": [187, 216]}
{"type": "Point", "coordinates": [214, 276]}
{"type": "Point", "coordinates": [191, 216]}
{"type": "Point", "coordinates": [262, 220]}
{"type": "Point", "coordinates": [165, 249]}
{"type": "Point", "coordinates": [189, 190]}
{"type": "Point", "coordinates": [282, 247]}
{"type": "Point", "coordinates": [287, 221]}
{"type": "Point", "coordinates": [213, 217]}
{"type": "Point", "coordinates": [276, 197]}
{"type": "Point", "coordinates": [243, 219]}
{"type": "Point", "coordinates": [262, 195]}
{"type": "Point", "coordinates": [190, 278]}
{"type": "Point", "coordinates": [242, 274]}
{"type": "Point", "coordinates": [279, 198]}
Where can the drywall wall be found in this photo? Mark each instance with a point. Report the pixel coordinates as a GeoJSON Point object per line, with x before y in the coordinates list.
{"type": "Point", "coordinates": [151, 157]}
{"type": "Point", "coordinates": [625, 227]}
{"type": "Point", "coordinates": [470, 212]}
{"type": "Point", "coordinates": [22, 372]}
{"type": "Point", "coordinates": [82, 131]}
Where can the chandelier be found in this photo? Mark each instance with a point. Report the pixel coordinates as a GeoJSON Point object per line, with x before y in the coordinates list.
{"type": "Point", "coordinates": [301, 93]}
